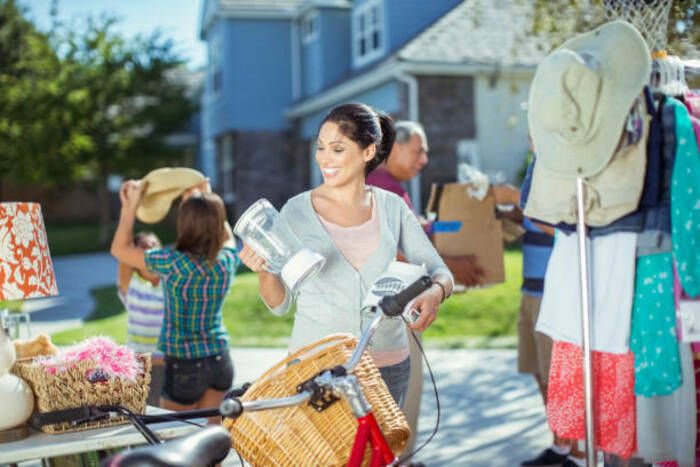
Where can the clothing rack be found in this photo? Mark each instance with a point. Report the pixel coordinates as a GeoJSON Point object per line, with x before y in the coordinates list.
{"type": "Point", "coordinates": [690, 67]}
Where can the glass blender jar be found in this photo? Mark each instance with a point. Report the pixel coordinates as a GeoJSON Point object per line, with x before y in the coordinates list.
{"type": "Point", "coordinates": [262, 228]}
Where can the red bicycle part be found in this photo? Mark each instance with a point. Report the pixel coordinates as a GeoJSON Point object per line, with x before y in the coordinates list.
{"type": "Point", "coordinates": [368, 432]}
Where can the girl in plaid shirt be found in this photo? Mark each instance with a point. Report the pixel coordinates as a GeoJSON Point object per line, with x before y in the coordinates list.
{"type": "Point", "coordinates": [196, 275]}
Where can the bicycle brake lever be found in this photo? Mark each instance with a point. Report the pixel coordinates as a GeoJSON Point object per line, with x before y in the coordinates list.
{"type": "Point", "coordinates": [240, 391]}
{"type": "Point", "coordinates": [322, 396]}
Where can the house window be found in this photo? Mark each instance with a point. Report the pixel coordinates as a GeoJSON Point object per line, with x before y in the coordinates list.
{"type": "Point", "coordinates": [309, 27]}
{"type": "Point", "coordinates": [214, 68]}
{"type": "Point", "coordinates": [368, 32]}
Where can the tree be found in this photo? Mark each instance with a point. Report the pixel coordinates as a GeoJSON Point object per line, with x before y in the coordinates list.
{"type": "Point", "coordinates": [559, 19]}
{"type": "Point", "coordinates": [124, 102]}
{"type": "Point", "coordinates": [28, 65]}
{"type": "Point", "coordinates": [82, 103]}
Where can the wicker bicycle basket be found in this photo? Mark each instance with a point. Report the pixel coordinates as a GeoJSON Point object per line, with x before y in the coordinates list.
{"type": "Point", "coordinates": [67, 387]}
{"type": "Point", "coordinates": [300, 435]}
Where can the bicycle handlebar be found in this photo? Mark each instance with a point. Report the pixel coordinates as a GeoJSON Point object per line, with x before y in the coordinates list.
{"type": "Point", "coordinates": [393, 305]}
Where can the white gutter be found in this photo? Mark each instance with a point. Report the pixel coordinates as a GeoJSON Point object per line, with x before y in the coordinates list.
{"type": "Point", "coordinates": [258, 14]}
{"type": "Point", "coordinates": [338, 4]}
{"type": "Point", "coordinates": [413, 114]}
{"type": "Point", "coordinates": [461, 69]}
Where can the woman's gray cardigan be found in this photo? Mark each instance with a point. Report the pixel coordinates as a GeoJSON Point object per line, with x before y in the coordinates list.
{"type": "Point", "coordinates": [330, 302]}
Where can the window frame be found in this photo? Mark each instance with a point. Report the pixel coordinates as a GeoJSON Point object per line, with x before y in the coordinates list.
{"type": "Point", "coordinates": [366, 28]}
{"type": "Point", "coordinates": [311, 18]}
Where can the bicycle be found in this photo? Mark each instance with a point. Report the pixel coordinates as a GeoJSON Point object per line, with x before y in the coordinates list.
{"type": "Point", "coordinates": [212, 444]}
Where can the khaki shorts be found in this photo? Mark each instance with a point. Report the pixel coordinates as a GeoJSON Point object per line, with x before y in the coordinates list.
{"type": "Point", "coordinates": [534, 348]}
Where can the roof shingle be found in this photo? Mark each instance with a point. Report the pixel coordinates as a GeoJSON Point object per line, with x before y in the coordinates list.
{"type": "Point", "coordinates": [480, 31]}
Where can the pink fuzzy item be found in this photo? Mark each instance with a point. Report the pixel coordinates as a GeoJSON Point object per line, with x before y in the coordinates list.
{"type": "Point", "coordinates": [116, 360]}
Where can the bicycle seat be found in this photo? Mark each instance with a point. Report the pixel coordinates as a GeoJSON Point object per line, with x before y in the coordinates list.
{"type": "Point", "coordinates": [204, 447]}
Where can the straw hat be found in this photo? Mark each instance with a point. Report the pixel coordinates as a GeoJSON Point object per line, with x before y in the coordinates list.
{"type": "Point", "coordinates": [581, 95]}
{"type": "Point", "coordinates": [162, 187]}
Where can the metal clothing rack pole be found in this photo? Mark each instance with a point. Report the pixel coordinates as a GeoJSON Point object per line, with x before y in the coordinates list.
{"type": "Point", "coordinates": [586, 323]}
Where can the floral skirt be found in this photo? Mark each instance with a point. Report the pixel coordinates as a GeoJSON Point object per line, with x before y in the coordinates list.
{"type": "Point", "coordinates": [614, 402]}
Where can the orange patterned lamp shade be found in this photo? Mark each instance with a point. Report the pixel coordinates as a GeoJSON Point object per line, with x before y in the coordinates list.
{"type": "Point", "coordinates": [26, 270]}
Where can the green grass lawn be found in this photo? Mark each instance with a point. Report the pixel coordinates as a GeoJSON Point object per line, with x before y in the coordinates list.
{"type": "Point", "coordinates": [475, 318]}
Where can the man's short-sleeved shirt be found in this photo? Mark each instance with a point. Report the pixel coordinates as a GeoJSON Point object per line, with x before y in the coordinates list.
{"type": "Point", "coordinates": [194, 292]}
{"type": "Point", "coordinates": [380, 177]}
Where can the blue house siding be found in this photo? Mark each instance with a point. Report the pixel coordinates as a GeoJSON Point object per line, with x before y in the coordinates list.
{"type": "Point", "coordinates": [212, 106]}
{"type": "Point", "coordinates": [207, 142]}
{"type": "Point", "coordinates": [385, 97]}
{"type": "Point", "coordinates": [312, 66]}
{"type": "Point", "coordinates": [336, 53]}
{"type": "Point", "coordinates": [404, 19]}
{"type": "Point", "coordinates": [256, 76]}
{"type": "Point", "coordinates": [326, 58]}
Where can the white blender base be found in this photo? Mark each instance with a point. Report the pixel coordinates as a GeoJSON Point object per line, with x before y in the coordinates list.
{"type": "Point", "coordinates": [304, 264]}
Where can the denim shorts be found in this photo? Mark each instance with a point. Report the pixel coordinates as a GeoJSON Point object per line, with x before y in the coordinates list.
{"type": "Point", "coordinates": [396, 379]}
{"type": "Point", "coordinates": [186, 380]}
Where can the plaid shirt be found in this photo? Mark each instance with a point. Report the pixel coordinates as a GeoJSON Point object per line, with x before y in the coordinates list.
{"type": "Point", "coordinates": [194, 296]}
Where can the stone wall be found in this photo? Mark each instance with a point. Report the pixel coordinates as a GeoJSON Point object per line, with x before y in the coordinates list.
{"type": "Point", "coordinates": [446, 106]}
{"type": "Point", "coordinates": [270, 165]}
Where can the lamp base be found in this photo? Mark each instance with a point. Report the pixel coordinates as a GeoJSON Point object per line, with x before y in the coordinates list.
{"type": "Point", "coordinates": [14, 434]}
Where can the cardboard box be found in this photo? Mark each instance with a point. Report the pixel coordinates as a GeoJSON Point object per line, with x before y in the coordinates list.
{"type": "Point", "coordinates": [467, 226]}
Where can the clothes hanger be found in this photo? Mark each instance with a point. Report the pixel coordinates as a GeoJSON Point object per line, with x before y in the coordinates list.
{"type": "Point", "coordinates": [682, 83]}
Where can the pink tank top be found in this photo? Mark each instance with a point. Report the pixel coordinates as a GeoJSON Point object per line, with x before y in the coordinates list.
{"type": "Point", "coordinates": [357, 242]}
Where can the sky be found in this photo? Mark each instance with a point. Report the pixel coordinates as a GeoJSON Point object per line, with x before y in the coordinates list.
{"type": "Point", "coordinates": [178, 19]}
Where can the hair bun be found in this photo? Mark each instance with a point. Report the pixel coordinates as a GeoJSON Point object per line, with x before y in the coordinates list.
{"type": "Point", "coordinates": [385, 143]}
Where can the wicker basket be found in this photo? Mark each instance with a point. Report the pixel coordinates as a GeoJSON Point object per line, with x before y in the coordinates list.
{"type": "Point", "coordinates": [69, 388]}
{"type": "Point", "coordinates": [301, 436]}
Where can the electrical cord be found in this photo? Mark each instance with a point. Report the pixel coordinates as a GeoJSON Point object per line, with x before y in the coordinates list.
{"type": "Point", "coordinates": [240, 458]}
{"type": "Point", "coordinates": [437, 400]}
{"type": "Point", "coordinates": [174, 419]}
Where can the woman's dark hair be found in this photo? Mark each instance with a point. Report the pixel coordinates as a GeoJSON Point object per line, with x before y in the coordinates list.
{"type": "Point", "coordinates": [365, 126]}
{"type": "Point", "coordinates": [200, 226]}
